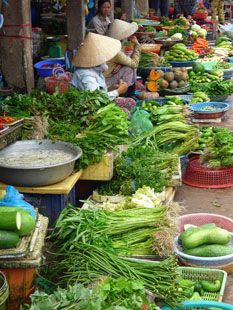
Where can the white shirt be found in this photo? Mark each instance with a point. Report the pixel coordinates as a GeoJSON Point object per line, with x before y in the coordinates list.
{"type": "Point", "coordinates": [92, 79]}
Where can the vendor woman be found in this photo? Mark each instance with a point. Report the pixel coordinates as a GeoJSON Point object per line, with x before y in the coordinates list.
{"type": "Point", "coordinates": [100, 23]}
{"type": "Point", "coordinates": [90, 60]}
{"type": "Point", "coordinates": [123, 66]}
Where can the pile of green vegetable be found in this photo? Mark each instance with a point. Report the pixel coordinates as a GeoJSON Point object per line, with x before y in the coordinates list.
{"type": "Point", "coordinates": [218, 149]}
{"type": "Point", "coordinates": [179, 52]}
{"type": "Point", "coordinates": [84, 250]}
{"type": "Point", "coordinates": [173, 31]}
{"type": "Point", "coordinates": [148, 29]}
{"type": "Point", "coordinates": [206, 241]}
{"type": "Point", "coordinates": [206, 135]}
{"type": "Point", "coordinates": [106, 294]}
{"type": "Point", "coordinates": [201, 289]}
{"type": "Point", "coordinates": [164, 21]}
{"type": "Point", "coordinates": [108, 128]}
{"type": "Point", "coordinates": [223, 65]}
{"type": "Point", "coordinates": [204, 77]}
{"type": "Point", "coordinates": [14, 223]}
{"type": "Point", "coordinates": [171, 100]}
{"type": "Point", "coordinates": [139, 166]}
{"type": "Point", "coordinates": [214, 88]}
{"type": "Point", "coordinates": [224, 42]}
{"type": "Point", "coordinates": [200, 97]}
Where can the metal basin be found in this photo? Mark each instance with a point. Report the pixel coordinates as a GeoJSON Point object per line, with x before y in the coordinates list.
{"type": "Point", "coordinates": [38, 176]}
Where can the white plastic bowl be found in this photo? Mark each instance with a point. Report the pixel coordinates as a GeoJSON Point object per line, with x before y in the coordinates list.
{"type": "Point", "coordinates": [204, 261]}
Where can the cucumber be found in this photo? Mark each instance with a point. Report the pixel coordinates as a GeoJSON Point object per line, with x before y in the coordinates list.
{"type": "Point", "coordinates": [192, 229]}
{"type": "Point", "coordinates": [200, 236]}
{"type": "Point", "coordinates": [211, 250]}
{"type": "Point", "coordinates": [8, 239]}
{"type": "Point", "coordinates": [27, 221]}
{"type": "Point", "coordinates": [10, 220]}
{"type": "Point", "coordinates": [209, 286]}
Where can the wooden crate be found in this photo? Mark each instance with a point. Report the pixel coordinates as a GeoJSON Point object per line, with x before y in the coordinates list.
{"type": "Point", "coordinates": [103, 171]}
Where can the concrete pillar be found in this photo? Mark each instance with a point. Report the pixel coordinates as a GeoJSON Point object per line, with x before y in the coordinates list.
{"type": "Point", "coordinates": [16, 46]}
{"type": "Point", "coordinates": [127, 8]}
{"type": "Point", "coordinates": [75, 23]}
{"type": "Point", "coordinates": [112, 11]}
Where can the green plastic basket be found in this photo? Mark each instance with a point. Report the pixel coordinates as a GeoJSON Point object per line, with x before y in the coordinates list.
{"type": "Point", "coordinates": [211, 275]}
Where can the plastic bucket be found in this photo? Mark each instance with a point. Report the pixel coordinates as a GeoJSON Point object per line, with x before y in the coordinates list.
{"type": "Point", "coordinates": [4, 291]}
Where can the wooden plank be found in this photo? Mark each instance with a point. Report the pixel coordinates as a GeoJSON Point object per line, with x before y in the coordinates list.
{"type": "Point", "coordinates": [63, 187]}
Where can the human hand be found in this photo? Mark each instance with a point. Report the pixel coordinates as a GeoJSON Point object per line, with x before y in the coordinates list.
{"type": "Point", "coordinates": [133, 39]}
{"type": "Point", "coordinates": [113, 87]}
{"type": "Point", "coordinates": [116, 69]}
{"type": "Point", "coordinates": [123, 17]}
{"type": "Point", "coordinates": [122, 88]}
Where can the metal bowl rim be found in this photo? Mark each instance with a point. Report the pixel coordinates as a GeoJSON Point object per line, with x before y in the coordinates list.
{"type": "Point", "coordinates": [77, 148]}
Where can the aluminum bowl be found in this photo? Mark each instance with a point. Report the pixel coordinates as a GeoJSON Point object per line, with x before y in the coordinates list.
{"type": "Point", "coordinates": [38, 176]}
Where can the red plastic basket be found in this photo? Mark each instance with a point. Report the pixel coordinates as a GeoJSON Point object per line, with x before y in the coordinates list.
{"type": "Point", "coordinates": [198, 175]}
{"type": "Point", "coordinates": [62, 82]}
{"type": "Point", "coordinates": [200, 15]}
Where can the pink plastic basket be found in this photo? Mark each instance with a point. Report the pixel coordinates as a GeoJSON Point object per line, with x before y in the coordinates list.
{"type": "Point", "coordinates": [199, 219]}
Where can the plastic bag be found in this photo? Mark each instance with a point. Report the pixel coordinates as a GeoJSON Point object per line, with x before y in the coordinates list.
{"type": "Point", "coordinates": [13, 198]}
{"type": "Point", "coordinates": [140, 121]}
{"type": "Point", "coordinates": [226, 29]}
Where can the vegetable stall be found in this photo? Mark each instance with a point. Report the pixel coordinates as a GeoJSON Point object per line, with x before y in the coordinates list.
{"type": "Point", "coordinates": [124, 246]}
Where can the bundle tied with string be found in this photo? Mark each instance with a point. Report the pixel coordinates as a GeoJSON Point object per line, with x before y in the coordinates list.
{"type": "Point", "coordinates": [60, 80]}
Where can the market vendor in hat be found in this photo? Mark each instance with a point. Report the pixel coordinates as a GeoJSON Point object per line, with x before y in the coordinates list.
{"type": "Point", "coordinates": [100, 23]}
{"type": "Point", "coordinates": [122, 66]}
{"type": "Point", "coordinates": [90, 60]}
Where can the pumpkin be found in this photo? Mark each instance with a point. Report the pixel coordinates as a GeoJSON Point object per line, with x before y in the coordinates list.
{"type": "Point", "coordinates": [148, 95]}
{"type": "Point", "coordinates": [152, 86]}
{"type": "Point", "coordinates": [154, 76]}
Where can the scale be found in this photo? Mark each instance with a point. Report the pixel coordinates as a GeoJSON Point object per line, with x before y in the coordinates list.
{"type": "Point", "coordinates": [55, 50]}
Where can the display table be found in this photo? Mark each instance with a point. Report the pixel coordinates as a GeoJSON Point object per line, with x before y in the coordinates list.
{"type": "Point", "coordinates": [51, 199]}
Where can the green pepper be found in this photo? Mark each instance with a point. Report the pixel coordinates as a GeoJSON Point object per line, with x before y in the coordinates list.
{"type": "Point", "coordinates": [186, 283]}
{"type": "Point", "coordinates": [211, 287]}
{"type": "Point", "coordinates": [196, 296]}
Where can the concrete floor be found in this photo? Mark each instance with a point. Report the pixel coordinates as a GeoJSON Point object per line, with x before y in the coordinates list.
{"type": "Point", "coordinates": [200, 200]}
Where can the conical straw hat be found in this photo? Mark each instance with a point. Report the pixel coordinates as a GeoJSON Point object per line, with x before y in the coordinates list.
{"type": "Point", "coordinates": [121, 30]}
{"type": "Point", "coordinates": [95, 50]}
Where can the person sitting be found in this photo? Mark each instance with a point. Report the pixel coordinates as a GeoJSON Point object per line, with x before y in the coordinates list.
{"type": "Point", "coordinates": [90, 62]}
{"type": "Point", "coordinates": [100, 23]}
{"type": "Point", "coordinates": [123, 66]}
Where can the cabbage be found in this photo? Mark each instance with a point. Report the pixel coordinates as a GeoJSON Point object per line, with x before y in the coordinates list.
{"type": "Point", "coordinates": [145, 197]}
{"type": "Point", "coordinates": [176, 37]}
{"type": "Point", "coordinates": [202, 32]}
{"type": "Point", "coordinates": [193, 34]}
{"type": "Point", "coordinates": [196, 28]}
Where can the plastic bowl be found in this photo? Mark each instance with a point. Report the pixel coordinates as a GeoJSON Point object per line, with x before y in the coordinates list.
{"type": "Point", "coordinates": [182, 63]}
{"type": "Point", "coordinates": [200, 304]}
{"type": "Point", "coordinates": [204, 261]}
{"type": "Point", "coordinates": [199, 219]}
{"type": "Point", "coordinates": [48, 71]}
{"type": "Point", "coordinates": [219, 107]}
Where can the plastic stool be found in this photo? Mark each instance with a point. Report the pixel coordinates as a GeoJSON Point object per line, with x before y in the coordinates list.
{"type": "Point", "coordinates": [228, 9]}
{"type": "Point", "coordinates": [212, 23]}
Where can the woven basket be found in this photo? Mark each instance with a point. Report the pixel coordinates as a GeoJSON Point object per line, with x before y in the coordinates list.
{"type": "Point", "coordinates": [56, 81]}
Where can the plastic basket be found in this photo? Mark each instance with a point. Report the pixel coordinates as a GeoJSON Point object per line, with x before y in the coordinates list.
{"type": "Point", "coordinates": [198, 175]}
{"type": "Point", "coordinates": [60, 81]}
{"type": "Point", "coordinates": [216, 262]}
{"type": "Point", "coordinates": [219, 107]}
{"type": "Point", "coordinates": [43, 71]}
{"type": "Point", "coordinates": [200, 304]}
{"type": "Point", "coordinates": [211, 275]}
{"type": "Point", "coordinates": [199, 219]}
{"type": "Point", "coordinates": [182, 63]}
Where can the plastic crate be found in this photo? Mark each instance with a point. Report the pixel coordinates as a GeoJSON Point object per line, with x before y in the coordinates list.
{"type": "Point", "coordinates": [51, 205]}
{"type": "Point", "coordinates": [203, 305]}
{"type": "Point", "coordinates": [199, 274]}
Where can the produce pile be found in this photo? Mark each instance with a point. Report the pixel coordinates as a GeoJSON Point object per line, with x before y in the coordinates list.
{"type": "Point", "coordinates": [139, 166]}
{"type": "Point", "coordinates": [149, 59]}
{"type": "Point", "coordinates": [206, 241]}
{"type": "Point", "coordinates": [218, 149]}
{"type": "Point", "coordinates": [84, 240]}
{"type": "Point", "coordinates": [199, 97]}
{"type": "Point", "coordinates": [214, 88]}
{"type": "Point", "coordinates": [14, 223]}
{"type": "Point", "coordinates": [179, 52]}
{"type": "Point", "coordinates": [176, 78]}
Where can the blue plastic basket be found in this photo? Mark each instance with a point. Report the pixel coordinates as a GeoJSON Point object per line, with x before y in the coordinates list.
{"type": "Point", "coordinates": [219, 107]}
{"type": "Point", "coordinates": [182, 63]}
{"type": "Point", "coordinates": [200, 304]}
{"type": "Point", "coordinates": [48, 71]}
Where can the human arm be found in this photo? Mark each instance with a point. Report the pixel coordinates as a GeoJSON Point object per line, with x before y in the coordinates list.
{"type": "Point", "coordinates": [119, 89]}
{"type": "Point", "coordinates": [125, 60]}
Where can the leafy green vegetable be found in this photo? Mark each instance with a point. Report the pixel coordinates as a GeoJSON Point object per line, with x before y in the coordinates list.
{"type": "Point", "coordinates": [219, 150]}
{"type": "Point", "coordinates": [177, 30]}
{"type": "Point", "coordinates": [215, 88]}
